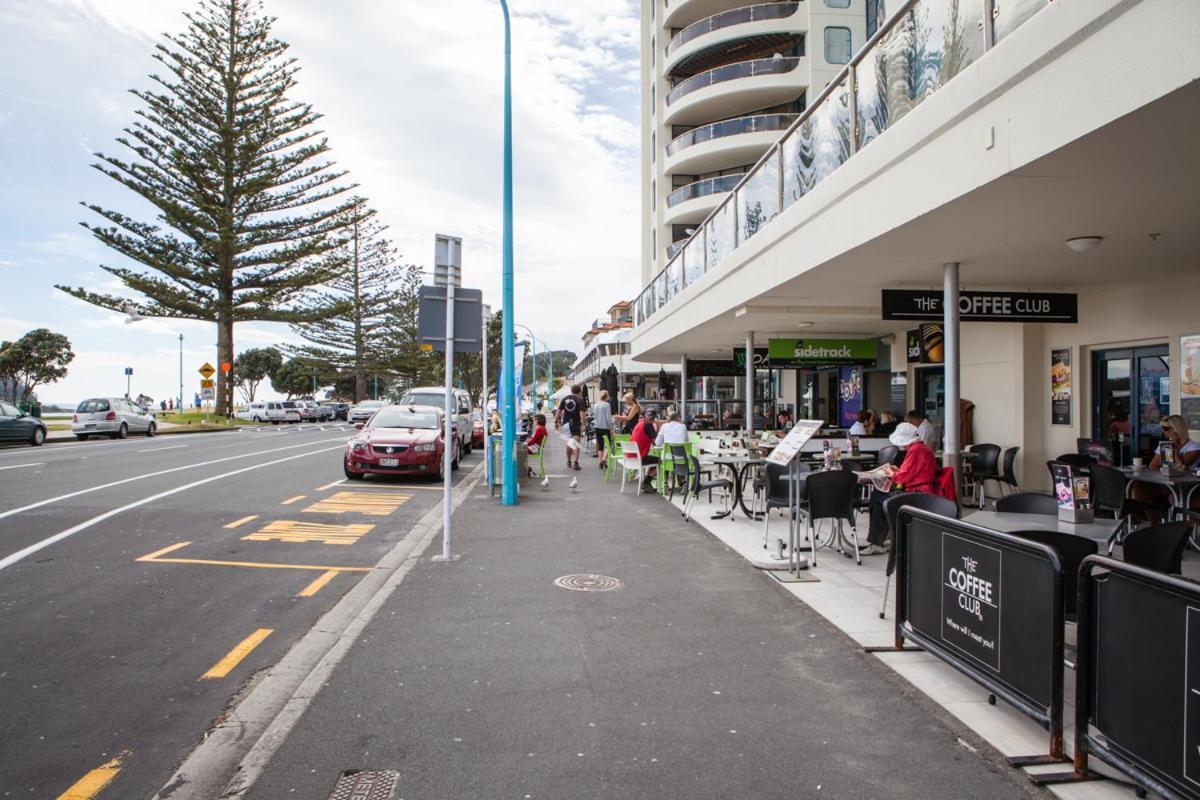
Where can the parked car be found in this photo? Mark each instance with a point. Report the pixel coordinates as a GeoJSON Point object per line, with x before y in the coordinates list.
{"type": "Point", "coordinates": [436, 396]}
{"type": "Point", "coordinates": [291, 411]}
{"type": "Point", "coordinates": [17, 426]}
{"type": "Point", "coordinates": [399, 440]}
{"type": "Point", "coordinates": [311, 410]}
{"type": "Point", "coordinates": [363, 411]}
{"type": "Point", "coordinates": [477, 428]}
{"type": "Point", "coordinates": [340, 410]}
{"type": "Point", "coordinates": [111, 416]}
{"type": "Point", "coordinates": [272, 411]}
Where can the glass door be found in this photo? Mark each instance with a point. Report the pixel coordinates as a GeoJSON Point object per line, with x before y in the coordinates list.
{"type": "Point", "coordinates": [1131, 394]}
{"type": "Point", "coordinates": [931, 394]}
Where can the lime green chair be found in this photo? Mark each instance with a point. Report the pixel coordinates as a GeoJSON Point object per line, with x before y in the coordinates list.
{"type": "Point", "coordinates": [614, 453]}
{"type": "Point", "coordinates": [540, 458]}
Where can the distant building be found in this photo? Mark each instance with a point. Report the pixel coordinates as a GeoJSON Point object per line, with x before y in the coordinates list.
{"type": "Point", "coordinates": [605, 345]}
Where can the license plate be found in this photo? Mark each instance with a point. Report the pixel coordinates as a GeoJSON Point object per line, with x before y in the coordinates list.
{"type": "Point", "coordinates": [89, 425]}
{"type": "Point", "coordinates": [389, 462]}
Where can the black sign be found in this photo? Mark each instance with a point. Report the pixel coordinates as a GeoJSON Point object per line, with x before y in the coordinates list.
{"type": "Point", "coordinates": [468, 319]}
{"type": "Point", "coordinates": [926, 304]}
{"type": "Point", "coordinates": [760, 358]}
{"type": "Point", "coordinates": [926, 344]}
{"type": "Point", "coordinates": [704, 368]}
{"type": "Point", "coordinates": [971, 599]}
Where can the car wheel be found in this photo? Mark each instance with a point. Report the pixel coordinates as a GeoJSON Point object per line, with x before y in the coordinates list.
{"type": "Point", "coordinates": [256, 418]}
{"type": "Point", "coordinates": [441, 469]}
{"type": "Point", "coordinates": [153, 429]}
{"type": "Point", "coordinates": [122, 432]}
{"type": "Point", "coordinates": [468, 447]}
{"type": "Point", "coordinates": [274, 422]}
{"type": "Point", "coordinates": [39, 436]}
{"type": "Point", "coordinates": [354, 476]}
{"type": "Point", "coordinates": [83, 437]}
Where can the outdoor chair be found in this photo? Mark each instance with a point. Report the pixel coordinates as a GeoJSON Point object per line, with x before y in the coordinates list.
{"type": "Point", "coordinates": [891, 508]}
{"type": "Point", "coordinates": [775, 493]}
{"type": "Point", "coordinates": [1158, 547]}
{"type": "Point", "coordinates": [831, 496]}
{"type": "Point", "coordinates": [698, 485]}
{"type": "Point", "coordinates": [677, 477]}
{"type": "Point", "coordinates": [1082, 464]}
{"type": "Point", "coordinates": [631, 461]}
{"type": "Point", "coordinates": [1072, 550]}
{"type": "Point", "coordinates": [889, 454]}
{"type": "Point", "coordinates": [984, 467]}
{"type": "Point", "coordinates": [1008, 475]}
{"type": "Point", "coordinates": [1027, 503]}
{"type": "Point", "coordinates": [540, 458]}
{"type": "Point", "coordinates": [1108, 498]}
{"type": "Point", "coordinates": [614, 454]}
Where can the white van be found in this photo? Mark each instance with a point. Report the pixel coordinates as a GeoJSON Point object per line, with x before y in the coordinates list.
{"type": "Point", "coordinates": [436, 396]}
{"type": "Point", "coordinates": [270, 411]}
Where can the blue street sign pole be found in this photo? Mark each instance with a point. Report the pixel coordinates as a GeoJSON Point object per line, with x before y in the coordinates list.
{"type": "Point", "coordinates": [509, 422]}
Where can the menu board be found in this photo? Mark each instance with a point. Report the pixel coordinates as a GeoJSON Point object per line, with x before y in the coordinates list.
{"type": "Point", "coordinates": [797, 437]}
{"type": "Point", "coordinates": [1189, 381]}
{"type": "Point", "coordinates": [1060, 386]}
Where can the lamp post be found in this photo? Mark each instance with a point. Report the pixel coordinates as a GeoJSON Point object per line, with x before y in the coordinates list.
{"type": "Point", "coordinates": [509, 431]}
{"type": "Point", "coordinates": [550, 367]}
{"type": "Point", "coordinates": [180, 404]}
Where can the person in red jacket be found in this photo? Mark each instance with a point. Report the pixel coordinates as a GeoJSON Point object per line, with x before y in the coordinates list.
{"type": "Point", "coordinates": [916, 474]}
{"type": "Point", "coordinates": [643, 436]}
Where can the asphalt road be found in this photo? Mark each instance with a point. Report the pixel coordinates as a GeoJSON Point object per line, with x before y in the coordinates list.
{"type": "Point", "coordinates": [145, 582]}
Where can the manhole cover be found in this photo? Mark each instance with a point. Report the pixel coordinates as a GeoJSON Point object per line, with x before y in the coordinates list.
{"type": "Point", "coordinates": [587, 583]}
{"type": "Point", "coordinates": [366, 784]}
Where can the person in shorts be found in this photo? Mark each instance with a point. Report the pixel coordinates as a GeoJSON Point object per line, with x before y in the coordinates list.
{"type": "Point", "coordinates": [570, 413]}
{"type": "Point", "coordinates": [602, 421]}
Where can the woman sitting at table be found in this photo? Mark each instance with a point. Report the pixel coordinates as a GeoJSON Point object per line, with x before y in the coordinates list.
{"type": "Point", "coordinates": [915, 475]}
{"type": "Point", "coordinates": [1187, 454]}
{"type": "Point", "coordinates": [864, 425]}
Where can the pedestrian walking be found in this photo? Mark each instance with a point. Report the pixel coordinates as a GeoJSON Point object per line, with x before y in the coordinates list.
{"type": "Point", "coordinates": [602, 421]}
{"type": "Point", "coordinates": [570, 413]}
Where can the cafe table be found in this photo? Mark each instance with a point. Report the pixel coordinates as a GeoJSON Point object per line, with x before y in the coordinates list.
{"type": "Point", "coordinates": [1100, 530]}
{"type": "Point", "coordinates": [740, 467]}
{"type": "Point", "coordinates": [1181, 485]}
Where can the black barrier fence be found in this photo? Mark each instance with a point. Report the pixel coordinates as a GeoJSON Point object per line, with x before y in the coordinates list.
{"type": "Point", "coordinates": [1137, 683]}
{"type": "Point", "coordinates": [990, 605]}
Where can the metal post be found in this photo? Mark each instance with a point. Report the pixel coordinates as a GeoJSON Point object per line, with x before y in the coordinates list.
{"type": "Point", "coordinates": [749, 387]}
{"type": "Point", "coordinates": [180, 406]}
{"type": "Point", "coordinates": [314, 383]}
{"type": "Point", "coordinates": [376, 377]}
{"type": "Point", "coordinates": [487, 421]}
{"type": "Point", "coordinates": [550, 372]}
{"type": "Point", "coordinates": [852, 91]}
{"type": "Point", "coordinates": [989, 24]}
{"type": "Point", "coordinates": [509, 434]}
{"type": "Point", "coordinates": [451, 408]}
{"type": "Point", "coordinates": [950, 321]}
{"type": "Point", "coordinates": [533, 368]}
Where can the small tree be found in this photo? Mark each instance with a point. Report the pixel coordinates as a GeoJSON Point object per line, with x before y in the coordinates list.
{"type": "Point", "coordinates": [40, 356]}
{"type": "Point", "coordinates": [295, 377]}
{"type": "Point", "coordinates": [252, 367]}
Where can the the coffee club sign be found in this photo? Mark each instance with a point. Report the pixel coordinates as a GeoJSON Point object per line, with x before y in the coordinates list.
{"type": "Point", "coordinates": [926, 304]}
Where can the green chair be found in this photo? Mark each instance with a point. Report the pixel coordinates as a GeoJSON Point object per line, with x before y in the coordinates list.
{"type": "Point", "coordinates": [540, 458]}
{"type": "Point", "coordinates": [614, 453]}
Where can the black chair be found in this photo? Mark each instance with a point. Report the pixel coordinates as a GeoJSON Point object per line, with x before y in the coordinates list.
{"type": "Point", "coordinates": [891, 507]}
{"type": "Point", "coordinates": [889, 454]}
{"type": "Point", "coordinates": [831, 496]}
{"type": "Point", "coordinates": [1081, 462]}
{"type": "Point", "coordinates": [1009, 475]}
{"type": "Point", "coordinates": [775, 492]}
{"type": "Point", "coordinates": [1108, 498]}
{"type": "Point", "coordinates": [1072, 550]}
{"type": "Point", "coordinates": [984, 467]}
{"type": "Point", "coordinates": [1158, 547]}
{"type": "Point", "coordinates": [679, 470]}
{"type": "Point", "coordinates": [697, 486]}
{"type": "Point", "coordinates": [1028, 503]}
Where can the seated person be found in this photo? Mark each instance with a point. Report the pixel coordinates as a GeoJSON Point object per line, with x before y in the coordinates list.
{"type": "Point", "coordinates": [1187, 454]}
{"type": "Point", "coordinates": [864, 425]}
{"type": "Point", "coordinates": [887, 424]}
{"type": "Point", "coordinates": [915, 475]}
{"type": "Point", "coordinates": [783, 421]}
{"type": "Point", "coordinates": [673, 432]}
{"type": "Point", "coordinates": [534, 445]}
{"type": "Point", "coordinates": [643, 436]}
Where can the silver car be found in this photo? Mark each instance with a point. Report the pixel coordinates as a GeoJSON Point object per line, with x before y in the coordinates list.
{"type": "Point", "coordinates": [111, 416]}
{"type": "Point", "coordinates": [364, 411]}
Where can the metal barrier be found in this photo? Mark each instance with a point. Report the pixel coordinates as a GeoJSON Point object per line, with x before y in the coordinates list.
{"type": "Point", "coordinates": [990, 605]}
{"type": "Point", "coordinates": [1137, 683]}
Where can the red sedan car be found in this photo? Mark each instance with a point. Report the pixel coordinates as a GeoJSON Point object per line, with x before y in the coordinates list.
{"type": "Point", "coordinates": [477, 438]}
{"type": "Point", "coordinates": [399, 440]}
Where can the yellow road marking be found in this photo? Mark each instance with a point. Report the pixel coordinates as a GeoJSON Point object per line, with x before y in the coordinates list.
{"type": "Point", "coordinates": [330, 485]}
{"type": "Point", "coordinates": [374, 504]}
{"type": "Point", "coordinates": [90, 784]}
{"type": "Point", "coordinates": [290, 531]}
{"type": "Point", "coordinates": [291, 500]}
{"type": "Point", "coordinates": [241, 521]}
{"type": "Point", "coordinates": [235, 656]}
{"type": "Point", "coordinates": [393, 486]}
{"type": "Point", "coordinates": [318, 584]}
{"type": "Point", "coordinates": [156, 558]}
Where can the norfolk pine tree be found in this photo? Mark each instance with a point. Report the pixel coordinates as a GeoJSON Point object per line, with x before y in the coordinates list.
{"type": "Point", "coordinates": [247, 205]}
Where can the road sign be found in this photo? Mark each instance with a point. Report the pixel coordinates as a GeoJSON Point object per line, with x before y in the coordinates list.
{"type": "Point", "coordinates": [129, 370]}
{"type": "Point", "coordinates": [207, 370]}
{"type": "Point", "coordinates": [468, 322]}
{"type": "Point", "coordinates": [207, 383]}
{"type": "Point", "coordinates": [206, 395]}
{"type": "Point", "coordinates": [226, 366]}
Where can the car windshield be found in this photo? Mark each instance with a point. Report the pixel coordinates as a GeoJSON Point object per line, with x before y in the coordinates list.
{"type": "Point", "coordinates": [425, 399]}
{"type": "Point", "coordinates": [403, 418]}
{"type": "Point", "coordinates": [90, 406]}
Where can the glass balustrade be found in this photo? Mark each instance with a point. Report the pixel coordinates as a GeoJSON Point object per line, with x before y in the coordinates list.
{"type": "Point", "coordinates": [731, 127]}
{"type": "Point", "coordinates": [921, 47]}
{"type": "Point", "coordinates": [738, 16]}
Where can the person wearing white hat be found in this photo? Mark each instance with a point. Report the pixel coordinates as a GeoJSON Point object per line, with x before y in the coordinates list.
{"type": "Point", "coordinates": [914, 475]}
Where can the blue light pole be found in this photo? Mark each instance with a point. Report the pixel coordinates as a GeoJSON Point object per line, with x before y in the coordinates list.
{"type": "Point", "coordinates": [509, 422]}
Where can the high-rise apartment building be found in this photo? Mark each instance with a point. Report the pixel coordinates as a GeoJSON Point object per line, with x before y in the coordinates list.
{"type": "Point", "coordinates": [721, 81]}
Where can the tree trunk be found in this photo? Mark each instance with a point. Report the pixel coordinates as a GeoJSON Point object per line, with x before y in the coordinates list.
{"type": "Point", "coordinates": [224, 397]}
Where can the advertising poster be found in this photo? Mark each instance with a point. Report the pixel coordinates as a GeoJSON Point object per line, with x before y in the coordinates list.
{"type": "Point", "coordinates": [850, 391]}
{"type": "Point", "coordinates": [971, 599]}
{"type": "Point", "coordinates": [1189, 380]}
{"type": "Point", "coordinates": [926, 344]}
{"type": "Point", "coordinates": [1060, 386]}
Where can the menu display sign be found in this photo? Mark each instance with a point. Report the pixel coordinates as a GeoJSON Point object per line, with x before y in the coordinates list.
{"type": "Point", "coordinates": [926, 344]}
{"type": "Point", "coordinates": [926, 304]}
{"type": "Point", "coordinates": [796, 438]}
{"type": "Point", "coordinates": [850, 395]}
{"type": "Point", "coordinates": [1189, 381]}
{"type": "Point", "coordinates": [1060, 386]}
{"type": "Point", "coordinates": [799, 353]}
{"type": "Point", "coordinates": [971, 599]}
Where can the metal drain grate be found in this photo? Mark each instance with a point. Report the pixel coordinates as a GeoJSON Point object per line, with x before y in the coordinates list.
{"type": "Point", "coordinates": [588, 583]}
{"type": "Point", "coordinates": [366, 784]}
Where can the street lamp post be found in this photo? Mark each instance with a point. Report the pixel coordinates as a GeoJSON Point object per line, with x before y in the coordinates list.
{"type": "Point", "coordinates": [180, 405]}
{"type": "Point", "coordinates": [550, 368]}
{"type": "Point", "coordinates": [509, 429]}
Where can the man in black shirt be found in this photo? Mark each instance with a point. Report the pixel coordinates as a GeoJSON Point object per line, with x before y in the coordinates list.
{"type": "Point", "coordinates": [570, 413]}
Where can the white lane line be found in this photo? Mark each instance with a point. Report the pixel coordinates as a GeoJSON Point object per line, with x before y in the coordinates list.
{"type": "Point", "coordinates": [69, 495]}
{"type": "Point", "coordinates": [18, 466]}
{"type": "Point", "coordinates": [160, 449]}
{"type": "Point", "coordinates": [58, 537]}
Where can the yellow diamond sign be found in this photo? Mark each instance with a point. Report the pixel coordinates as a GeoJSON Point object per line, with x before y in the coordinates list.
{"type": "Point", "coordinates": [207, 370]}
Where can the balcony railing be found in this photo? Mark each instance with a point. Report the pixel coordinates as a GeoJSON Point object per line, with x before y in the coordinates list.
{"type": "Point", "coordinates": [738, 16]}
{"type": "Point", "coordinates": [915, 52]}
{"type": "Point", "coordinates": [731, 72]}
{"type": "Point", "coordinates": [760, 123]}
{"type": "Point", "coordinates": [702, 188]}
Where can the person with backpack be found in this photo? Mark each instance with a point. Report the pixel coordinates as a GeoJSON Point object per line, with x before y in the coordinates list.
{"type": "Point", "coordinates": [915, 475]}
{"type": "Point", "coordinates": [570, 413]}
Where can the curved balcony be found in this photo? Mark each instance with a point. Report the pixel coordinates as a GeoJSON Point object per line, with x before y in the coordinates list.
{"type": "Point", "coordinates": [735, 89]}
{"type": "Point", "coordinates": [682, 13]}
{"type": "Point", "coordinates": [758, 22]}
{"type": "Point", "coordinates": [694, 202]}
{"type": "Point", "coordinates": [724, 144]}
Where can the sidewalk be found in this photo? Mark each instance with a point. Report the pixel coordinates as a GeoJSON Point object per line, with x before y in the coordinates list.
{"type": "Point", "coordinates": [699, 677]}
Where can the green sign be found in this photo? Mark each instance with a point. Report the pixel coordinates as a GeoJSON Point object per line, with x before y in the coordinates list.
{"type": "Point", "coordinates": [791, 353]}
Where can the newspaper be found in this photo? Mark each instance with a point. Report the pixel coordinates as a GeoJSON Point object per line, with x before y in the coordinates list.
{"type": "Point", "coordinates": [878, 477]}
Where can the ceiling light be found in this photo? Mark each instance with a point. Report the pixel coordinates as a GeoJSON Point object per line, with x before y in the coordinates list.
{"type": "Point", "coordinates": [804, 324]}
{"type": "Point", "coordinates": [1081, 244]}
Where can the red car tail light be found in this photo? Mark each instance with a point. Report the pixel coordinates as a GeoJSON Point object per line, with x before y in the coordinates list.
{"type": "Point", "coordinates": [110, 416]}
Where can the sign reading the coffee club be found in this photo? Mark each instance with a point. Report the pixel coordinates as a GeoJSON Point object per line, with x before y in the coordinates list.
{"type": "Point", "coordinates": [926, 304]}
{"type": "Point", "coordinates": [971, 599]}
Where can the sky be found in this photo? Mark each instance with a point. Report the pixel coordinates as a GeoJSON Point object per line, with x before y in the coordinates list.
{"type": "Point", "coordinates": [411, 92]}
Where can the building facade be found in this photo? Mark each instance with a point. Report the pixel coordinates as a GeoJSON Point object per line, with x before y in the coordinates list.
{"type": "Point", "coordinates": [606, 347]}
